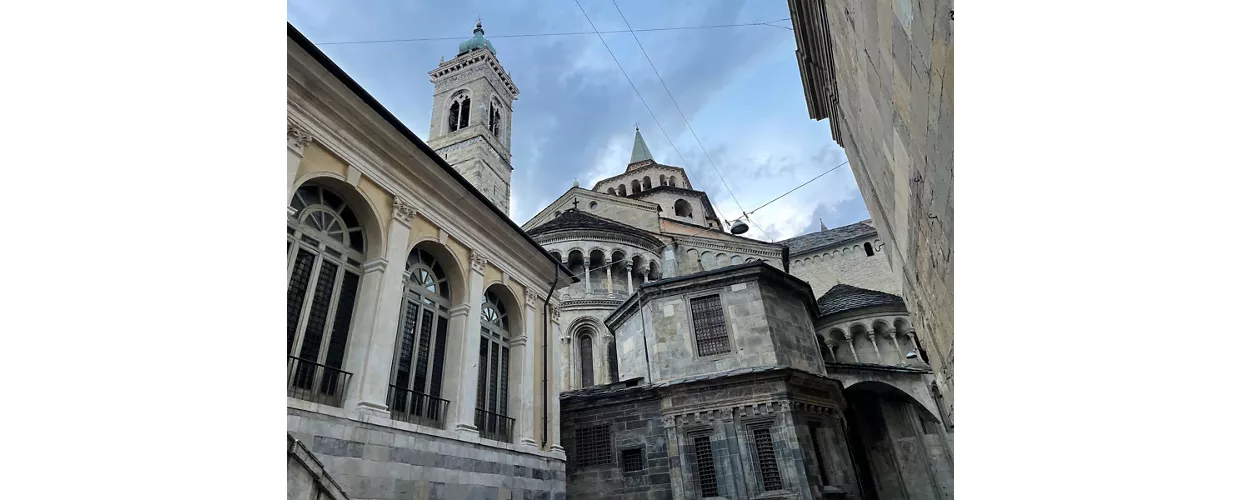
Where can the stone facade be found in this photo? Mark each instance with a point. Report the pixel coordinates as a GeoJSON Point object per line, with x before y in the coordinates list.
{"type": "Point", "coordinates": [882, 72]}
{"type": "Point", "coordinates": [856, 257]}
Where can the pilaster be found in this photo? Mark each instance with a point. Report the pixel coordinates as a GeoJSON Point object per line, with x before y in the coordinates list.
{"type": "Point", "coordinates": [297, 138]}
{"type": "Point", "coordinates": [523, 356]}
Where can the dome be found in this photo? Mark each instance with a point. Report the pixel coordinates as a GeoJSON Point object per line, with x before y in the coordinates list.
{"type": "Point", "coordinates": [477, 42]}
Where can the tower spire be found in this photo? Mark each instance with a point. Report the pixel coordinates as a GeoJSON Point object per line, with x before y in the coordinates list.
{"type": "Point", "coordinates": [640, 151]}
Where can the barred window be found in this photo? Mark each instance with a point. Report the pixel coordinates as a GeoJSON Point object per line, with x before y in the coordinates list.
{"type": "Point", "coordinates": [705, 460]}
{"type": "Point", "coordinates": [593, 445]}
{"type": "Point", "coordinates": [708, 325]}
{"type": "Point", "coordinates": [631, 460]}
{"type": "Point", "coordinates": [491, 413]}
{"type": "Point", "coordinates": [768, 468]}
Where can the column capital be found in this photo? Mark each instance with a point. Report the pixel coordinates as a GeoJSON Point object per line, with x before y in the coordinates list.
{"type": "Point", "coordinates": [298, 138]}
{"type": "Point", "coordinates": [458, 310]}
{"type": "Point", "coordinates": [566, 339]}
{"type": "Point", "coordinates": [403, 211]}
{"type": "Point", "coordinates": [848, 336]}
{"type": "Point", "coordinates": [531, 297]}
{"type": "Point", "coordinates": [519, 341]}
{"type": "Point", "coordinates": [375, 264]}
{"type": "Point", "coordinates": [477, 261]}
{"type": "Point", "coordinates": [607, 337]}
{"type": "Point", "coordinates": [555, 313]}
{"type": "Point", "coordinates": [831, 344]}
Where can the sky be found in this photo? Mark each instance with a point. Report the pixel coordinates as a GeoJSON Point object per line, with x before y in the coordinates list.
{"type": "Point", "coordinates": [739, 87]}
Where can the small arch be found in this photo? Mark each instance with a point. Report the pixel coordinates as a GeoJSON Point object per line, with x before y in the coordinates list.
{"type": "Point", "coordinates": [654, 274]}
{"type": "Point", "coordinates": [671, 181]}
{"type": "Point", "coordinates": [869, 250]}
{"type": "Point", "coordinates": [623, 190]}
{"type": "Point", "coordinates": [637, 186]}
{"type": "Point", "coordinates": [736, 259]}
{"type": "Point", "coordinates": [682, 208]}
{"type": "Point", "coordinates": [646, 182]}
{"type": "Point", "coordinates": [611, 191]}
{"type": "Point", "coordinates": [662, 180]}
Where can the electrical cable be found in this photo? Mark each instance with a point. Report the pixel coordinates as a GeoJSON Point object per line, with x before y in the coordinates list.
{"type": "Point", "coordinates": [565, 33]}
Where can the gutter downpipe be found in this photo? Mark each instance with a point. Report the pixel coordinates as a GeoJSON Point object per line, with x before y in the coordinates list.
{"type": "Point", "coordinates": [546, 337]}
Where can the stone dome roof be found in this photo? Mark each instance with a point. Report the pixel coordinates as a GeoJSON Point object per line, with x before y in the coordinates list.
{"type": "Point", "coordinates": [477, 42]}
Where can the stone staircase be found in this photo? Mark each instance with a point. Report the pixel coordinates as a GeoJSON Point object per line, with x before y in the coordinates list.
{"type": "Point", "coordinates": [307, 478]}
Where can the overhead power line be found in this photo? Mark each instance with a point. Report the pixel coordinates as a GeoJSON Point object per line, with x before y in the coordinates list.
{"type": "Point", "coordinates": [565, 33]}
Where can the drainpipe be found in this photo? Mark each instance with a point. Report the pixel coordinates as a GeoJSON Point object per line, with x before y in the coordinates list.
{"type": "Point", "coordinates": [546, 335]}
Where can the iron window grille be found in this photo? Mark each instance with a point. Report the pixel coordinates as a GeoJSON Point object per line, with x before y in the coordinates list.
{"type": "Point", "coordinates": [768, 468]}
{"type": "Point", "coordinates": [705, 458]}
{"type": "Point", "coordinates": [593, 445]}
{"type": "Point", "coordinates": [709, 328]}
{"type": "Point", "coordinates": [631, 460]}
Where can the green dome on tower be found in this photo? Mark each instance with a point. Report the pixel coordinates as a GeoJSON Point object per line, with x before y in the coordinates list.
{"type": "Point", "coordinates": [477, 42]}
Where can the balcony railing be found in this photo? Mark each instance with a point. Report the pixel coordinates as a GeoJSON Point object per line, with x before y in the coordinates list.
{"type": "Point", "coordinates": [493, 425]}
{"type": "Point", "coordinates": [416, 408]}
{"type": "Point", "coordinates": [316, 383]}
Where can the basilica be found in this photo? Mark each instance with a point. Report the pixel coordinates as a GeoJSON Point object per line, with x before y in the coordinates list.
{"type": "Point", "coordinates": [625, 342]}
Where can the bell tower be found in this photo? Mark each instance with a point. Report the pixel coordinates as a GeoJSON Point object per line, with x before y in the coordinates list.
{"type": "Point", "coordinates": [471, 117]}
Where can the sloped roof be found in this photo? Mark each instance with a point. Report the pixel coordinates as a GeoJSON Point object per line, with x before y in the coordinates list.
{"type": "Point", "coordinates": [576, 219]}
{"type": "Point", "coordinates": [841, 298]}
{"type": "Point", "coordinates": [818, 239]}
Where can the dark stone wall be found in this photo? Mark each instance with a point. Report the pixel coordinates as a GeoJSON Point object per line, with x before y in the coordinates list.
{"type": "Point", "coordinates": [635, 423]}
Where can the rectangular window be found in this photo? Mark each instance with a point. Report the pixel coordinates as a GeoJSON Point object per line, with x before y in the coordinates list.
{"type": "Point", "coordinates": [705, 459]}
{"type": "Point", "coordinates": [593, 445]}
{"type": "Point", "coordinates": [708, 326]}
{"type": "Point", "coordinates": [632, 460]}
{"type": "Point", "coordinates": [768, 468]}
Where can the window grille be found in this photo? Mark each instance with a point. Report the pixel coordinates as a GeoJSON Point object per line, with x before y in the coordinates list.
{"type": "Point", "coordinates": [767, 466]}
{"type": "Point", "coordinates": [708, 326]}
{"type": "Point", "coordinates": [705, 459]}
{"type": "Point", "coordinates": [631, 460]}
{"type": "Point", "coordinates": [593, 445]}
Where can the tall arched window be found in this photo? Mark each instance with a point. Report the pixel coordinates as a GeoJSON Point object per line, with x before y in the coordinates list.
{"type": "Point", "coordinates": [325, 252]}
{"type": "Point", "coordinates": [637, 186]}
{"type": "Point", "coordinates": [646, 182]}
{"type": "Point", "coordinates": [586, 346]}
{"type": "Point", "coordinates": [623, 190]}
{"type": "Point", "coordinates": [662, 180]}
{"type": "Point", "coordinates": [423, 338]}
{"type": "Point", "coordinates": [671, 181]}
{"type": "Point", "coordinates": [494, 124]}
{"type": "Point", "coordinates": [682, 208]}
{"type": "Point", "coordinates": [492, 410]}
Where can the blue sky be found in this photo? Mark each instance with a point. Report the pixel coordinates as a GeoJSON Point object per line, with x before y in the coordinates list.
{"type": "Point", "coordinates": [739, 87]}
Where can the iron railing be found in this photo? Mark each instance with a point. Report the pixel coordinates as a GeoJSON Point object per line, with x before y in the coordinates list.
{"type": "Point", "coordinates": [414, 407]}
{"type": "Point", "coordinates": [493, 425]}
{"type": "Point", "coordinates": [316, 382]}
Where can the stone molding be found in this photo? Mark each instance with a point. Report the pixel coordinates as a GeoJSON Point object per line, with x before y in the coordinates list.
{"type": "Point", "coordinates": [375, 264]}
{"type": "Point", "coordinates": [298, 137]}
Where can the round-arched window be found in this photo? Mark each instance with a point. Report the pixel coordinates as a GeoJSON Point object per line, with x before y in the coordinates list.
{"type": "Point", "coordinates": [325, 253]}
{"type": "Point", "coordinates": [492, 403]}
{"type": "Point", "coordinates": [422, 340]}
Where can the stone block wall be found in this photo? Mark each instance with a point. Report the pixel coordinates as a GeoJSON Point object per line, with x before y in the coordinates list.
{"type": "Point", "coordinates": [894, 71]}
{"type": "Point", "coordinates": [847, 264]}
{"type": "Point", "coordinates": [375, 462]}
{"type": "Point", "coordinates": [634, 423]}
{"type": "Point", "coordinates": [674, 353]}
{"type": "Point", "coordinates": [791, 330]}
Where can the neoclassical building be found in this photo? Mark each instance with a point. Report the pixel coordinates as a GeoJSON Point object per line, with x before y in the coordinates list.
{"type": "Point", "coordinates": [423, 324]}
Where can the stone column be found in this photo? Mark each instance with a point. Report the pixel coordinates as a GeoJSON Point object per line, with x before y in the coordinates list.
{"type": "Point", "coordinates": [373, 346]}
{"type": "Point", "coordinates": [556, 384]}
{"type": "Point", "coordinates": [831, 349]}
{"type": "Point", "coordinates": [895, 338]}
{"type": "Point", "coordinates": [463, 370]}
{"type": "Point", "coordinates": [851, 348]}
{"type": "Point", "coordinates": [878, 355]}
{"type": "Point", "coordinates": [588, 272]}
{"type": "Point", "coordinates": [628, 275]}
{"type": "Point", "coordinates": [912, 342]}
{"type": "Point", "coordinates": [611, 292]}
{"type": "Point", "coordinates": [298, 138]}
{"type": "Point", "coordinates": [677, 462]}
{"type": "Point", "coordinates": [523, 356]}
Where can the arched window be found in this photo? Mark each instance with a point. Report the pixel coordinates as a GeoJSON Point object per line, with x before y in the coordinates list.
{"type": "Point", "coordinates": [671, 181]}
{"type": "Point", "coordinates": [422, 340]}
{"type": "Point", "coordinates": [637, 186]}
{"type": "Point", "coordinates": [611, 191]}
{"type": "Point", "coordinates": [682, 208]}
{"type": "Point", "coordinates": [646, 182]}
{"type": "Point", "coordinates": [325, 253]}
{"type": "Point", "coordinates": [585, 345]}
{"type": "Point", "coordinates": [458, 112]}
{"type": "Point", "coordinates": [662, 180]}
{"type": "Point", "coordinates": [613, 362]}
{"type": "Point", "coordinates": [492, 410]}
{"type": "Point", "coordinates": [869, 250]}
{"type": "Point", "coordinates": [494, 125]}
{"type": "Point", "coordinates": [623, 191]}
